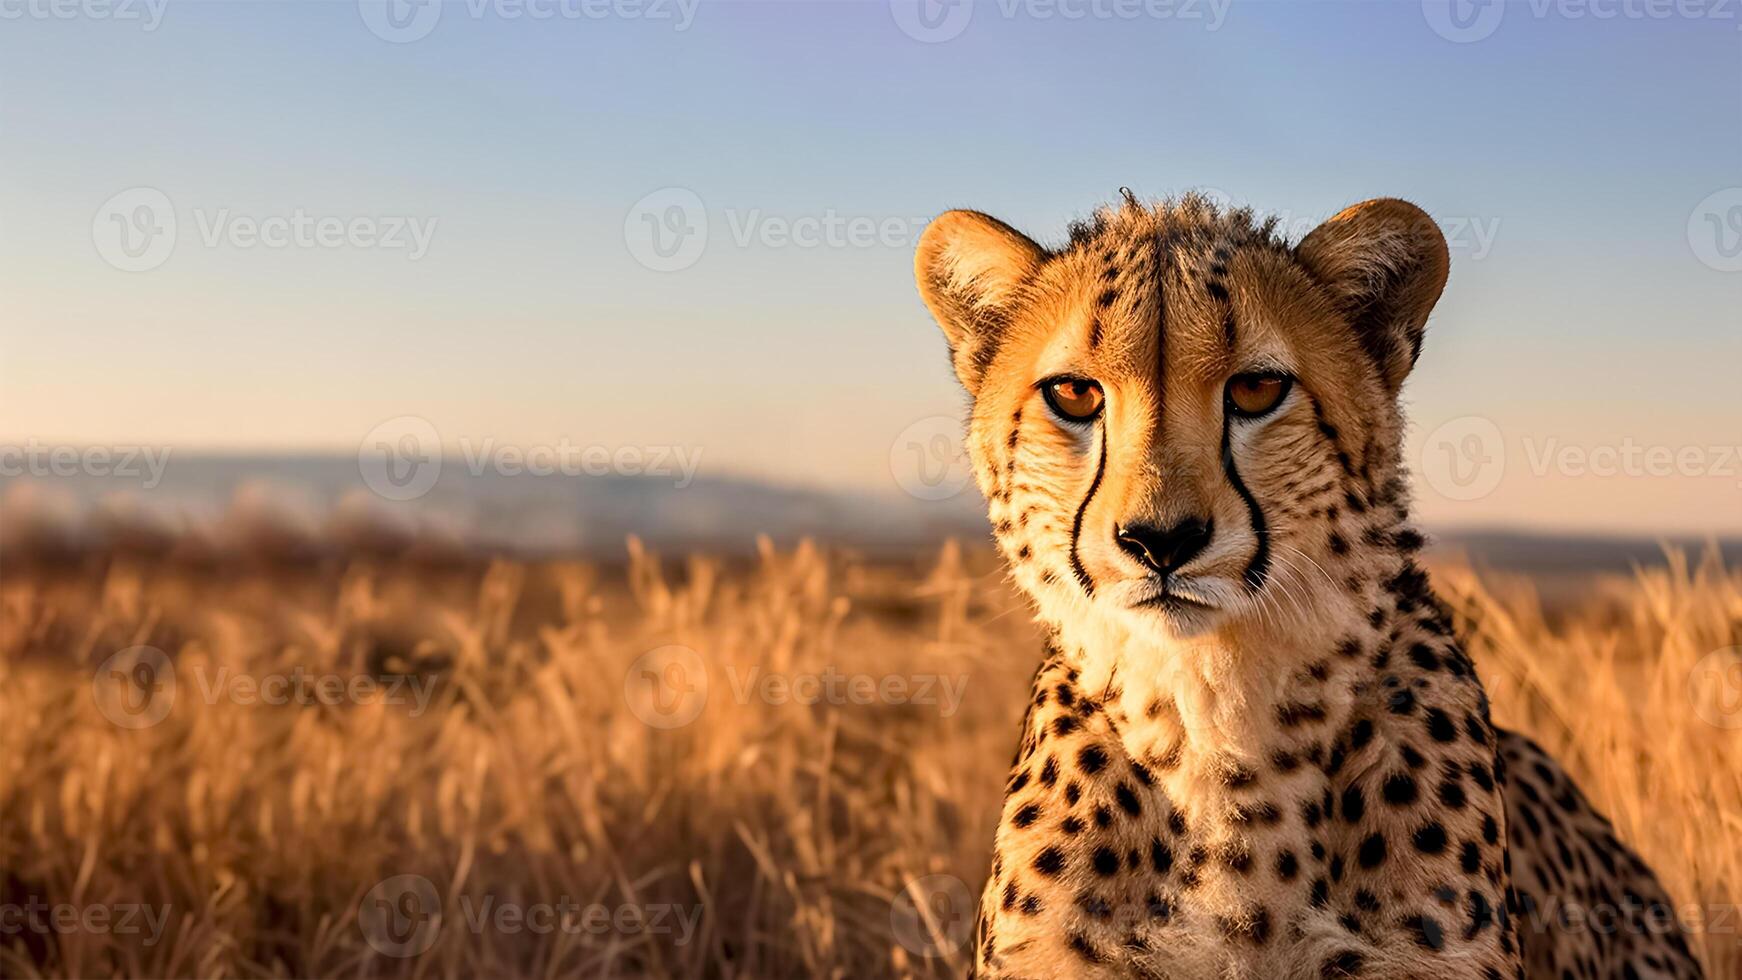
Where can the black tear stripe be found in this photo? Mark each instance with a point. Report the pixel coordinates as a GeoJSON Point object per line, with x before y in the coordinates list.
{"type": "Point", "coordinates": [1077, 568]}
{"type": "Point", "coordinates": [1258, 569]}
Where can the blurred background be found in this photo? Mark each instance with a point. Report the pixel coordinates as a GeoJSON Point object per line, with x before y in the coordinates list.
{"type": "Point", "coordinates": [483, 349]}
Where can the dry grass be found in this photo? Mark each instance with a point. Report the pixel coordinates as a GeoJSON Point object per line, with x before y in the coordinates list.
{"type": "Point", "coordinates": [785, 832]}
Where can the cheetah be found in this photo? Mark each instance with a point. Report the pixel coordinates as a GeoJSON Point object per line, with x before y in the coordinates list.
{"type": "Point", "coordinates": [1255, 748]}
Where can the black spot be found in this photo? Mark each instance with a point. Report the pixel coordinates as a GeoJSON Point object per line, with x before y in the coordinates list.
{"type": "Point", "coordinates": [1427, 931]}
{"type": "Point", "coordinates": [1160, 856]}
{"type": "Point", "coordinates": [1127, 799]}
{"type": "Point", "coordinates": [1092, 759]}
{"type": "Point", "coordinates": [1081, 946]}
{"type": "Point", "coordinates": [1430, 839]}
{"type": "Point", "coordinates": [1440, 726]}
{"type": "Point", "coordinates": [1286, 865]}
{"type": "Point", "coordinates": [1360, 735]}
{"type": "Point", "coordinates": [1341, 966]}
{"type": "Point", "coordinates": [1027, 815]}
{"type": "Point", "coordinates": [1293, 714]}
{"type": "Point", "coordinates": [1372, 853]}
{"type": "Point", "coordinates": [1424, 657]}
{"type": "Point", "coordinates": [1399, 789]}
{"type": "Point", "coordinates": [1050, 861]}
{"type": "Point", "coordinates": [1354, 805]}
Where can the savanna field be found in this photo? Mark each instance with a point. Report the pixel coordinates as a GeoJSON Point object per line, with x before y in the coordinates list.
{"type": "Point", "coordinates": [783, 766]}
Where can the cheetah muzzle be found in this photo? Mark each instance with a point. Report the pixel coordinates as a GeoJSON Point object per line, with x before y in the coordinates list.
{"type": "Point", "coordinates": [1256, 748]}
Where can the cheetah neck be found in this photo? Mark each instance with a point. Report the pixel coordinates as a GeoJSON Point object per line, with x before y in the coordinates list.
{"type": "Point", "coordinates": [1207, 715]}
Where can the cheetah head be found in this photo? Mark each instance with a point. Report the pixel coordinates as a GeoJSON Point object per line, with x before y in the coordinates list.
{"type": "Point", "coordinates": [1181, 422]}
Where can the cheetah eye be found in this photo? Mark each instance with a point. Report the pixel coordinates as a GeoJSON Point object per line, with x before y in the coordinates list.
{"type": "Point", "coordinates": [1073, 399]}
{"type": "Point", "coordinates": [1256, 394]}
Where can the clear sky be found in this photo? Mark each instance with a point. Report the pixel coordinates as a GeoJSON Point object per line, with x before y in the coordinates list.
{"type": "Point", "coordinates": [1587, 168]}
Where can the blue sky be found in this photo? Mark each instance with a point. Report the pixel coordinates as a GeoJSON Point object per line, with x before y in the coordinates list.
{"type": "Point", "coordinates": [1569, 157]}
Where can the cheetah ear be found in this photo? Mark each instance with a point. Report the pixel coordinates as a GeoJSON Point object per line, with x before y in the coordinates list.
{"type": "Point", "coordinates": [970, 267]}
{"type": "Point", "coordinates": [1385, 262]}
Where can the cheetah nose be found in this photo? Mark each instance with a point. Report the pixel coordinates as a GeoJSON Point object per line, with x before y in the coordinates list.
{"type": "Point", "coordinates": [1165, 549]}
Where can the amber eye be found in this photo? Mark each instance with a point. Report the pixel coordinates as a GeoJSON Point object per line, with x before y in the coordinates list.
{"type": "Point", "coordinates": [1255, 394]}
{"type": "Point", "coordinates": [1074, 399]}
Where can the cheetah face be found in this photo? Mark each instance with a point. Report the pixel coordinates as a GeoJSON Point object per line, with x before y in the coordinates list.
{"type": "Point", "coordinates": [1173, 412]}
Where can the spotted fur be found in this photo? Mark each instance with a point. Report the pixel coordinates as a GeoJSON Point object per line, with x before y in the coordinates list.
{"type": "Point", "coordinates": [1268, 756]}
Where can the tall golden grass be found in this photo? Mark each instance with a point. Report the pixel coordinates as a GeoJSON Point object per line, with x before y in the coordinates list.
{"type": "Point", "coordinates": [834, 838]}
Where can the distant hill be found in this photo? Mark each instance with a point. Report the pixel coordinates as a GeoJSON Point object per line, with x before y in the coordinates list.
{"type": "Point", "coordinates": [211, 495]}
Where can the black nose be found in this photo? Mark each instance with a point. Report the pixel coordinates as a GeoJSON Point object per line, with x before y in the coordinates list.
{"type": "Point", "coordinates": [1165, 549]}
